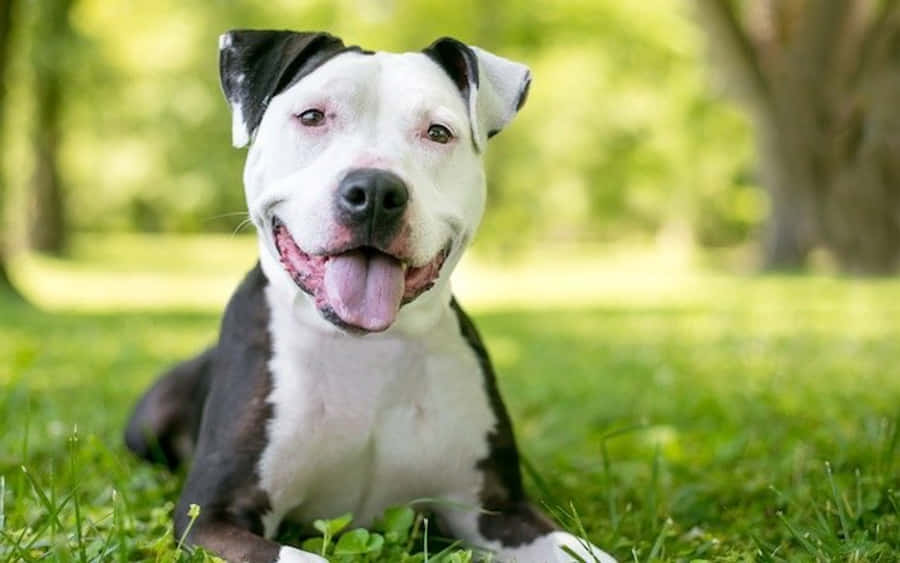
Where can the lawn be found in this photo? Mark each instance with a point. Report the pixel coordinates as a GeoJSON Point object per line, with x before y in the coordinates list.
{"type": "Point", "coordinates": [683, 413]}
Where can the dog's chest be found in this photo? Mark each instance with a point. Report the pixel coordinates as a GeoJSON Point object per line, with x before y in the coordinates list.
{"type": "Point", "coordinates": [362, 424]}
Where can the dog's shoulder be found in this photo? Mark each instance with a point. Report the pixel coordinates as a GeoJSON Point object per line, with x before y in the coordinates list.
{"type": "Point", "coordinates": [236, 412]}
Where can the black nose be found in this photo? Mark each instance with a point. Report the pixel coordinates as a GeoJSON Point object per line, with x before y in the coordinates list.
{"type": "Point", "coordinates": [372, 199]}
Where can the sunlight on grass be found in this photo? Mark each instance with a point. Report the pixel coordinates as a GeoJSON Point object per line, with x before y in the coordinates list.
{"type": "Point", "coordinates": [161, 272]}
{"type": "Point", "coordinates": [156, 272]}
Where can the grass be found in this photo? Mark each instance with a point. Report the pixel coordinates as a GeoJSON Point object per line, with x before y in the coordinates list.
{"type": "Point", "coordinates": [674, 414]}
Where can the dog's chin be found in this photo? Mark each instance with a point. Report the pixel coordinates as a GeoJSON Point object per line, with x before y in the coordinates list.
{"type": "Point", "coordinates": [359, 289]}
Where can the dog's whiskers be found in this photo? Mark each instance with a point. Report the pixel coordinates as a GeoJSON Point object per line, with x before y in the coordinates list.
{"type": "Point", "coordinates": [223, 215]}
{"type": "Point", "coordinates": [241, 225]}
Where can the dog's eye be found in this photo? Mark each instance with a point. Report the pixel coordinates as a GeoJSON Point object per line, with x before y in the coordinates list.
{"type": "Point", "coordinates": [439, 134]}
{"type": "Point", "coordinates": [312, 118]}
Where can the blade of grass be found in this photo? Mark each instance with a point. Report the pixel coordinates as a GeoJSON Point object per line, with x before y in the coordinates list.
{"type": "Point", "coordinates": [44, 525]}
{"type": "Point", "coordinates": [52, 511]}
{"type": "Point", "coordinates": [118, 528]}
{"type": "Point", "coordinates": [193, 513]}
{"type": "Point", "coordinates": [73, 449]}
{"type": "Point", "coordinates": [660, 539]}
{"type": "Point", "coordinates": [839, 505]}
{"type": "Point", "coordinates": [822, 519]}
{"type": "Point", "coordinates": [650, 507]}
{"type": "Point", "coordinates": [889, 456]}
{"type": "Point", "coordinates": [582, 535]}
{"type": "Point", "coordinates": [444, 552]}
{"type": "Point", "coordinates": [425, 537]}
{"type": "Point", "coordinates": [571, 553]}
{"type": "Point", "coordinates": [610, 491]}
{"type": "Point", "coordinates": [108, 546]}
{"type": "Point", "coordinates": [890, 496]}
{"type": "Point", "coordinates": [798, 536]}
{"type": "Point", "coordinates": [415, 532]}
{"type": "Point", "coordinates": [16, 545]}
{"type": "Point", "coordinates": [535, 476]}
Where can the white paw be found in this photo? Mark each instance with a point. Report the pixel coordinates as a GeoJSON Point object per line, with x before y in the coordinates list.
{"type": "Point", "coordinates": [583, 548]}
{"type": "Point", "coordinates": [293, 555]}
{"type": "Point", "coordinates": [549, 549]}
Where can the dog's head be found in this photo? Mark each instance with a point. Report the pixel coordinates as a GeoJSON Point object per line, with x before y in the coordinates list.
{"type": "Point", "coordinates": [364, 175]}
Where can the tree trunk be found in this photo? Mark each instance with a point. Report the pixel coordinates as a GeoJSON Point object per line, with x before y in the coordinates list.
{"type": "Point", "coordinates": [47, 219]}
{"type": "Point", "coordinates": [820, 80]}
{"type": "Point", "coordinates": [6, 15]}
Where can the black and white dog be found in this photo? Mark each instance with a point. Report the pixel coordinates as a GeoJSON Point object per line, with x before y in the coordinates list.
{"type": "Point", "coordinates": [346, 377]}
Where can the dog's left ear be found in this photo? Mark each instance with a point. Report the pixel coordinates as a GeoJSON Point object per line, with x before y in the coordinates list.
{"type": "Point", "coordinates": [257, 64]}
{"type": "Point", "coordinates": [493, 88]}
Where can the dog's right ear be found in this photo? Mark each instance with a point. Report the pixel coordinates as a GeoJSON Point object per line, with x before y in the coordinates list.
{"type": "Point", "coordinates": [255, 65]}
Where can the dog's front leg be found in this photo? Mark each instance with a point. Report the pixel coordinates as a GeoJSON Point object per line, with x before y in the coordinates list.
{"type": "Point", "coordinates": [518, 533]}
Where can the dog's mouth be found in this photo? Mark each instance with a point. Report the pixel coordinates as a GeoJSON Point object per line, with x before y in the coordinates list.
{"type": "Point", "coordinates": [359, 289]}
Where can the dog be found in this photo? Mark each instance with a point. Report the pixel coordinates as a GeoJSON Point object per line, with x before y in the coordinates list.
{"type": "Point", "coordinates": [346, 377]}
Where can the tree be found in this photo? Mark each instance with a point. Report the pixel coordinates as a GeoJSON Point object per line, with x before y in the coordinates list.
{"type": "Point", "coordinates": [6, 14]}
{"type": "Point", "coordinates": [50, 45]}
{"type": "Point", "coordinates": [820, 80]}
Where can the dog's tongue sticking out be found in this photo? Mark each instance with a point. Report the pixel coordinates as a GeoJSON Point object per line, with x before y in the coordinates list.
{"type": "Point", "coordinates": [365, 288]}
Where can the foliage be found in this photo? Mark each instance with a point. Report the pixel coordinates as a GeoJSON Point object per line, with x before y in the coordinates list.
{"type": "Point", "coordinates": [393, 538]}
{"type": "Point", "coordinates": [620, 135]}
{"type": "Point", "coordinates": [725, 420]}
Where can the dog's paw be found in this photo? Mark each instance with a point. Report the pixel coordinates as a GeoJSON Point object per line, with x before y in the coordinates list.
{"type": "Point", "coordinates": [555, 547]}
{"type": "Point", "coordinates": [293, 555]}
{"type": "Point", "coordinates": [565, 543]}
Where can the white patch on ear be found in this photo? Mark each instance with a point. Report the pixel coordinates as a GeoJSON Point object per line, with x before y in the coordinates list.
{"type": "Point", "coordinates": [501, 86]}
{"type": "Point", "coordinates": [239, 134]}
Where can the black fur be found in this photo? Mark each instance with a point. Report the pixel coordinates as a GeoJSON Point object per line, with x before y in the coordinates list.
{"type": "Point", "coordinates": [459, 62]}
{"type": "Point", "coordinates": [164, 424]}
{"type": "Point", "coordinates": [258, 64]}
{"type": "Point", "coordinates": [228, 386]}
{"type": "Point", "coordinates": [509, 517]}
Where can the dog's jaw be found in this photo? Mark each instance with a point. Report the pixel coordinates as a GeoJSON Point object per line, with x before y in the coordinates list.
{"type": "Point", "coordinates": [356, 305]}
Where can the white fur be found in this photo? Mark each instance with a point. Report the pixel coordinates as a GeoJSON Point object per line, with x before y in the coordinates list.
{"type": "Point", "coordinates": [292, 555]}
{"type": "Point", "coordinates": [501, 84]}
{"type": "Point", "coordinates": [380, 107]}
{"type": "Point", "coordinates": [239, 135]}
{"type": "Point", "coordinates": [549, 548]}
{"type": "Point", "coordinates": [361, 424]}
{"type": "Point", "coordinates": [463, 523]}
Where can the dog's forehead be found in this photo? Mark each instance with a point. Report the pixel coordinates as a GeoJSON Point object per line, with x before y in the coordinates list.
{"type": "Point", "coordinates": [397, 77]}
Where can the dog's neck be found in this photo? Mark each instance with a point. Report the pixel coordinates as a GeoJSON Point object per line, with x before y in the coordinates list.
{"type": "Point", "coordinates": [414, 320]}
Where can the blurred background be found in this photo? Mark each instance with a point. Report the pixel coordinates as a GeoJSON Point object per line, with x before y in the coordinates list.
{"type": "Point", "coordinates": [757, 134]}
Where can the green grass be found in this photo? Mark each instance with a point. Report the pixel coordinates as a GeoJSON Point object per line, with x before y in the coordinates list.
{"type": "Point", "coordinates": [676, 415]}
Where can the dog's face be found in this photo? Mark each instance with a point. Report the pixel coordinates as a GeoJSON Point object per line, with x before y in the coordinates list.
{"type": "Point", "coordinates": [364, 175]}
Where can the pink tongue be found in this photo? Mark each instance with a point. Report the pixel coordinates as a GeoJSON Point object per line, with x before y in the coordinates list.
{"type": "Point", "coordinates": [364, 290]}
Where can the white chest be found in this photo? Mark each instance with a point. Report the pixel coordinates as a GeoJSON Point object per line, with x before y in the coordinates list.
{"type": "Point", "coordinates": [360, 424]}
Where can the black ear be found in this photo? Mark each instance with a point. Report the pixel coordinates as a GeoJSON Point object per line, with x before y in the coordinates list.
{"type": "Point", "coordinates": [493, 88]}
{"type": "Point", "coordinates": [255, 65]}
{"type": "Point", "coordinates": [458, 61]}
